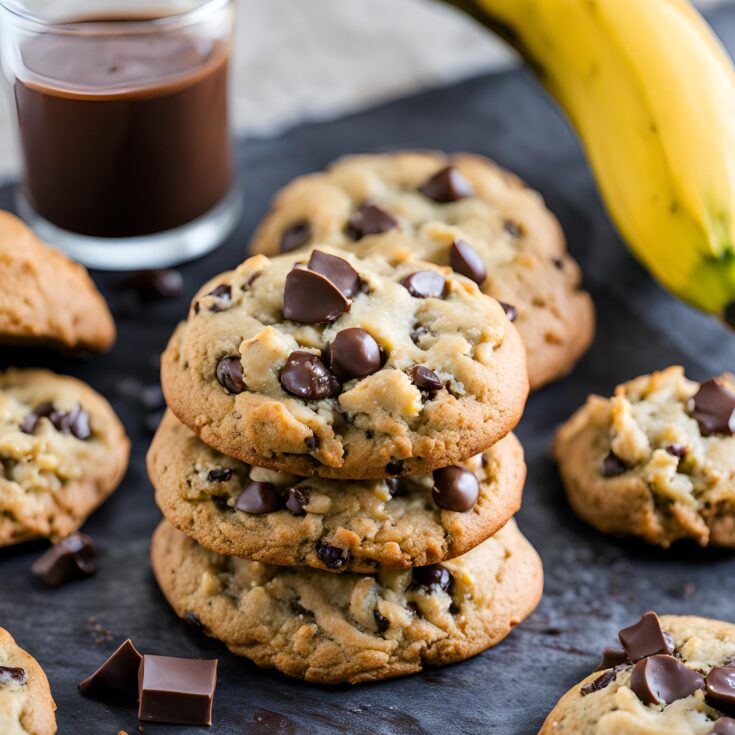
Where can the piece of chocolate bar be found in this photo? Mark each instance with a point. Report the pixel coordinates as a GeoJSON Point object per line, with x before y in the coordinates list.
{"type": "Point", "coordinates": [117, 677]}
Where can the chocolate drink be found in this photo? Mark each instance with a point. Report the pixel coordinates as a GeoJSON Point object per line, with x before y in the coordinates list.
{"type": "Point", "coordinates": [124, 134]}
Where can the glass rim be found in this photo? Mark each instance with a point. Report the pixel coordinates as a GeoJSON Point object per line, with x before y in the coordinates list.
{"type": "Point", "coordinates": [176, 20]}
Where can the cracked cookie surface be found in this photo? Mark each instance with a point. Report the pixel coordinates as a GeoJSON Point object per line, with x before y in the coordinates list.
{"type": "Point", "coordinates": [332, 628]}
{"type": "Point", "coordinates": [386, 203]}
{"type": "Point", "coordinates": [372, 523]}
{"type": "Point", "coordinates": [644, 462]}
{"type": "Point", "coordinates": [26, 705]}
{"type": "Point", "coordinates": [440, 371]}
{"type": "Point", "coordinates": [62, 452]}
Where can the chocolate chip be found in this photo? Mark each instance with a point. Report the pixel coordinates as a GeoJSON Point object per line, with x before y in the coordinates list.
{"type": "Point", "coordinates": [118, 676]}
{"type": "Point", "coordinates": [394, 467]}
{"type": "Point", "coordinates": [645, 638]}
{"type": "Point", "coordinates": [311, 298]}
{"type": "Point", "coordinates": [464, 260]}
{"type": "Point", "coordinates": [30, 422]}
{"type": "Point", "coordinates": [176, 690]}
{"type": "Point", "coordinates": [677, 450]}
{"type": "Point", "coordinates": [612, 657]}
{"type": "Point", "coordinates": [353, 353]}
{"type": "Point", "coordinates": [448, 185]}
{"type": "Point", "coordinates": [223, 292]}
{"type": "Point", "coordinates": [229, 374]}
{"type": "Point", "coordinates": [663, 679]}
{"type": "Point", "coordinates": [512, 228]}
{"type": "Point", "coordinates": [295, 236]}
{"type": "Point", "coordinates": [425, 284]}
{"type": "Point", "coordinates": [297, 497]}
{"type": "Point", "coordinates": [455, 488]}
{"type": "Point", "coordinates": [258, 498]}
{"type": "Point", "coordinates": [510, 311]}
{"type": "Point", "coordinates": [71, 558]}
{"type": "Point", "coordinates": [381, 622]}
{"type": "Point", "coordinates": [306, 376]}
{"type": "Point", "coordinates": [724, 726]}
{"type": "Point", "coordinates": [432, 578]}
{"type": "Point", "coordinates": [395, 487]}
{"type": "Point", "coordinates": [714, 408]}
{"type": "Point", "coordinates": [332, 556]}
{"type": "Point", "coordinates": [154, 284]}
{"type": "Point", "coordinates": [720, 688]}
{"type": "Point", "coordinates": [426, 379]}
{"type": "Point", "coordinates": [12, 675]}
{"type": "Point", "coordinates": [74, 422]}
{"type": "Point", "coordinates": [312, 443]}
{"type": "Point", "coordinates": [600, 682]}
{"type": "Point", "coordinates": [370, 219]}
{"type": "Point", "coordinates": [219, 474]}
{"type": "Point", "coordinates": [338, 271]}
{"type": "Point", "coordinates": [417, 333]}
{"type": "Point", "coordinates": [612, 465]}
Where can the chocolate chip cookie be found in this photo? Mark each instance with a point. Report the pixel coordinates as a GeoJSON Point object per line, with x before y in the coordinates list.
{"type": "Point", "coordinates": [670, 676]}
{"type": "Point", "coordinates": [323, 363]}
{"type": "Point", "coordinates": [267, 516]}
{"type": "Point", "coordinates": [26, 704]}
{"type": "Point", "coordinates": [657, 460]}
{"type": "Point", "coordinates": [62, 452]}
{"type": "Point", "coordinates": [461, 211]}
{"type": "Point", "coordinates": [45, 298]}
{"type": "Point", "coordinates": [332, 628]}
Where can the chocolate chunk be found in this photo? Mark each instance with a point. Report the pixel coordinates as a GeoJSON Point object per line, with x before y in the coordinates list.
{"type": "Point", "coordinates": [306, 376]}
{"type": "Point", "coordinates": [295, 236]}
{"type": "Point", "coordinates": [612, 465]}
{"type": "Point", "coordinates": [74, 422]}
{"type": "Point", "coordinates": [600, 682]}
{"type": "Point", "coordinates": [381, 622]}
{"type": "Point", "coordinates": [432, 578]}
{"type": "Point", "coordinates": [677, 450]}
{"type": "Point", "coordinates": [714, 408]}
{"type": "Point", "coordinates": [297, 496]}
{"type": "Point", "coordinates": [662, 679]}
{"type": "Point", "coordinates": [510, 311]}
{"type": "Point", "coordinates": [332, 556]}
{"type": "Point", "coordinates": [394, 467]}
{"type": "Point", "coordinates": [229, 374]}
{"type": "Point", "coordinates": [417, 333]}
{"type": "Point", "coordinates": [12, 675]}
{"type": "Point", "coordinates": [724, 726]}
{"type": "Point", "coordinates": [464, 260]}
{"type": "Point", "coordinates": [71, 558]}
{"type": "Point", "coordinates": [154, 284]}
{"type": "Point", "coordinates": [312, 443]}
{"type": "Point", "coordinates": [223, 292]}
{"type": "Point", "coordinates": [353, 353]}
{"type": "Point", "coordinates": [258, 498]}
{"type": "Point", "coordinates": [219, 474]}
{"type": "Point", "coordinates": [512, 228]}
{"type": "Point", "coordinates": [448, 185]}
{"type": "Point", "coordinates": [176, 690]}
{"type": "Point", "coordinates": [425, 284]}
{"type": "Point", "coordinates": [720, 688]}
{"type": "Point", "coordinates": [370, 219]}
{"type": "Point", "coordinates": [612, 657]}
{"type": "Point", "coordinates": [117, 676]}
{"type": "Point", "coordinates": [645, 638]}
{"type": "Point", "coordinates": [30, 422]}
{"type": "Point", "coordinates": [338, 271]}
{"type": "Point", "coordinates": [311, 298]}
{"type": "Point", "coordinates": [425, 379]}
{"type": "Point", "coordinates": [455, 488]}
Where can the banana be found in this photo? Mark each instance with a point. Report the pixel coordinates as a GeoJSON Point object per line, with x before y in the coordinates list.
{"type": "Point", "coordinates": [651, 93]}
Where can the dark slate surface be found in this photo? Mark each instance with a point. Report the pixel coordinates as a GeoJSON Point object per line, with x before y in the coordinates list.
{"type": "Point", "coordinates": [594, 584]}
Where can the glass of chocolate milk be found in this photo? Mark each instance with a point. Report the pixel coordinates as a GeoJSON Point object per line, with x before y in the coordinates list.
{"type": "Point", "coordinates": [123, 124]}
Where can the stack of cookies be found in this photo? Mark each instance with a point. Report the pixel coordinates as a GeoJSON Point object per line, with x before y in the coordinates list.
{"type": "Point", "coordinates": [336, 468]}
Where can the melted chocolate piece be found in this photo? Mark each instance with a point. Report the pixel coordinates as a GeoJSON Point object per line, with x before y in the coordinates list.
{"type": "Point", "coordinates": [338, 271]}
{"type": "Point", "coordinates": [714, 408]}
{"type": "Point", "coordinates": [176, 690]}
{"type": "Point", "coordinates": [425, 285]}
{"type": "Point", "coordinates": [432, 577]}
{"type": "Point", "coordinates": [118, 676]}
{"type": "Point", "coordinates": [295, 236]}
{"type": "Point", "coordinates": [219, 474]}
{"type": "Point", "coordinates": [645, 638]}
{"type": "Point", "coordinates": [612, 466]}
{"type": "Point", "coordinates": [426, 379]}
{"type": "Point", "coordinates": [370, 219]}
{"type": "Point", "coordinates": [223, 292]}
{"type": "Point", "coordinates": [332, 556]}
{"type": "Point", "coordinates": [510, 311]}
{"type": "Point", "coordinates": [297, 497]}
{"type": "Point", "coordinates": [311, 298]}
{"type": "Point", "coordinates": [354, 354]}
{"type": "Point", "coordinates": [464, 260]}
{"type": "Point", "coordinates": [720, 688]}
{"type": "Point", "coordinates": [12, 675]}
{"type": "Point", "coordinates": [612, 657]}
{"type": "Point", "coordinates": [663, 679]}
{"type": "Point", "coordinates": [74, 422]}
{"type": "Point", "coordinates": [602, 681]}
{"type": "Point", "coordinates": [69, 559]}
{"type": "Point", "coordinates": [258, 498]}
{"type": "Point", "coordinates": [455, 488]}
{"type": "Point", "coordinates": [306, 376]}
{"type": "Point", "coordinates": [229, 374]}
{"type": "Point", "coordinates": [448, 185]}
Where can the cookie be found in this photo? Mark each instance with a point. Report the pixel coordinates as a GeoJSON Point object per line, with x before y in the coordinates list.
{"type": "Point", "coordinates": [45, 298]}
{"type": "Point", "coordinates": [62, 452]}
{"type": "Point", "coordinates": [656, 461]}
{"type": "Point", "coordinates": [26, 705]}
{"type": "Point", "coordinates": [332, 628]}
{"type": "Point", "coordinates": [322, 363]}
{"type": "Point", "coordinates": [265, 516]}
{"type": "Point", "coordinates": [678, 685]}
{"type": "Point", "coordinates": [461, 210]}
